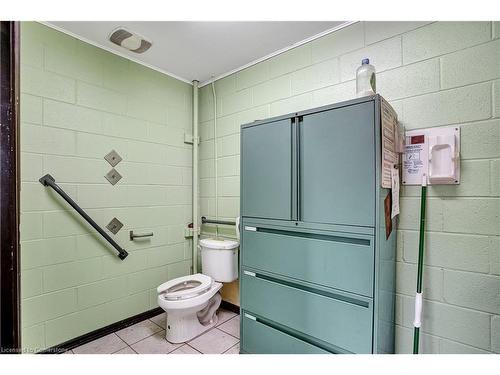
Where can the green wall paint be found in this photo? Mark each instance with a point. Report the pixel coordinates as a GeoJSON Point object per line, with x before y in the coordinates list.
{"type": "Point", "coordinates": [79, 102]}
{"type": "Point", "coordinates": [434, 74]}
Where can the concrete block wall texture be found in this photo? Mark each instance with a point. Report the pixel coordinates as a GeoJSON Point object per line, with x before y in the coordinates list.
{"type": "Point", "coordinates": [434, 74]}
{"type": "Point", "coordinates": [79, 102]}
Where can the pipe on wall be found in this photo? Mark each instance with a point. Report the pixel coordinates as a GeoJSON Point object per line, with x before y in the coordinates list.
{"type": "Point", "coordinates": [195, 177]}
{"type": "Point", "coordinates": [216, 156]}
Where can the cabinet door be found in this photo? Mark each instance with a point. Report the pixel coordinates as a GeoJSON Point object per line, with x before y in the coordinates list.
{"type": "Point", "coordinates": [337, 166]}
{"type": "Point", "coordinates": [266, 170]}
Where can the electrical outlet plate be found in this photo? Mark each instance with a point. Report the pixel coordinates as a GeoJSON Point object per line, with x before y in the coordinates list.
{"type": "Point", "coordinates": [114, 225]}
{"type": "Point", "coordinates": [113, 158]}
{"type": "Point", "coordinates": [113, 176]}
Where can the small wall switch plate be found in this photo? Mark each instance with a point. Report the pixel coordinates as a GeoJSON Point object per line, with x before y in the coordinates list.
{"type": "Point", "coordinates": [113, 176]}
{"type": "Point", "coordinates": [113, 158]}
{"type": "Point", "coordinates": [114, 225]}
{"type": "Point", "coordinates": [188, 139]}
{"type": "Point", "coordinates": [188, 232]}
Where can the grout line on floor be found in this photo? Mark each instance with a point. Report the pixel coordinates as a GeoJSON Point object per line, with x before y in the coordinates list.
{"type": "Point", "coordinates": [133, 343]}
{"type": "Point", "coordinates": [201, 334]}
{"type": "Point", "coordinates": [152, 321]}
{"type": "Point", "coordinates": [238, 343]}
{"type": "Point", "coordinates": [162, 331]}
{"type": "Point", "coordinates": [193, 348]}
{"type": "Point", "coordinates": [219, 323]}
{"type": "Point", "coordinates": [220, 329]}
{"type": "Point", "coordinates": [119, 338]}
{"type": "Point", "coordinates": [175, 348]}
{"type": "Point", "coordinates": [227, 333]}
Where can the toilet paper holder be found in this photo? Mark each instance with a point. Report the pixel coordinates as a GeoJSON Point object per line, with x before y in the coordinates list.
{"type": "Point", "coordinates": [142, 235]}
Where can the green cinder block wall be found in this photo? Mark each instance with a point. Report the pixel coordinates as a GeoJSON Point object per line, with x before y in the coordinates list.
{"type": "Point", "coordinates": [433, 74]}
{"type": "Point", "coordinates": [79, 102]}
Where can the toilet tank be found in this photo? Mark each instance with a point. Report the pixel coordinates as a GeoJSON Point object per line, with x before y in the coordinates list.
{"type": "Point", "coordinates": [219, 259]}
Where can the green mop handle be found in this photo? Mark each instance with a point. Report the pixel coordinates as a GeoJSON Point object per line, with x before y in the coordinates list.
{"type": "Point", "coordinates": [418, 297]}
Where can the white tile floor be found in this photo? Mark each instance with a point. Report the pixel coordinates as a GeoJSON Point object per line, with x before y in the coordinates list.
{"type": "Point", "coordinates": [148, 337]}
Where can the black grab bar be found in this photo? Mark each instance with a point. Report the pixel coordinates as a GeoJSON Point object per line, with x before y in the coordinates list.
{"type": "Point", "coordinates": [48, 180]}
{"type": "Point", "coordinates": [204, 220]}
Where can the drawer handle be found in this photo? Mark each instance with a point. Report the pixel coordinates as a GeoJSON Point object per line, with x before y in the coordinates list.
{"type": "Point", "coordinates": [248, 273]}
{"type": "Point", "coordinates": [315, 236]}
{"type": "Point", "coordinates": [250, 317]}
{"type": "Point", "coordinates": [251, 229]}
{"type": "Point", "coordinates": [333, 295]}
{"type": "Point", "coordinates": [297, 335]}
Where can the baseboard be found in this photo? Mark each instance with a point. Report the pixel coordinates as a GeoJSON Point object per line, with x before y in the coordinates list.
{"type": "Point", "coordinates": [101, 332]}
{"type": "Point", "coordinates": [229, 306]}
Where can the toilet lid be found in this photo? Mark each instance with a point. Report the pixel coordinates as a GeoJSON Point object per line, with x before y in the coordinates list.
{"type": "Point", "coordinates": [186, 287]}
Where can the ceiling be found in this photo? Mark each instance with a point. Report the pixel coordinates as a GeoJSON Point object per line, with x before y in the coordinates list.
{"type": "Point", "coordinates": [201, 50]}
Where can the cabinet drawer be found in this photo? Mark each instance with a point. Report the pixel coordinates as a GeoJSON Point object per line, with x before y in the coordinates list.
{"type": "Point", "coordinates": [260, 338]}
{"type": "Point", "coordinates": [341, 319]}
{"type": "Point", "coordinates": [338, 260]}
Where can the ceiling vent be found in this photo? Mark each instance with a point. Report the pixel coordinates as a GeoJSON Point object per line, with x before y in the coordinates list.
{"type": "Point", "coordinates": [129, 40]}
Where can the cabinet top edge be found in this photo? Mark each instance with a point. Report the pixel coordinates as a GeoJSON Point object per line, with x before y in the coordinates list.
{"type": "Point", "coordinates": [375, 98]}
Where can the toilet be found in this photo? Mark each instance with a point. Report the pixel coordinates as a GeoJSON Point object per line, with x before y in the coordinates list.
{"type": "Point", "coordinates": [191, 301]}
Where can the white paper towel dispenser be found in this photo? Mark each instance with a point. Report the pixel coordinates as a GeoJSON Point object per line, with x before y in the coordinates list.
{"type": "Point", "coordinates": [434, 152]}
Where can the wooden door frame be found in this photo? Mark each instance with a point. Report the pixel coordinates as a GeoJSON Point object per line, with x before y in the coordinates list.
{"type": "Point", "coordinates": [10, 340]}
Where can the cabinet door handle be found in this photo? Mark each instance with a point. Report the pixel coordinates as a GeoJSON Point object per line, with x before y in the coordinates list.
{"type": "Point", "coordinates": [250, 317]}
{"type": "Point", "coordinates": [298, 201]}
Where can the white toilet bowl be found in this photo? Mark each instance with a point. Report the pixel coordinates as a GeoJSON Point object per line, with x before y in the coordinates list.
{"type": "Point", "coordinates": [187, 300]}
{"type": "Point", "coordinates": [191, 301]}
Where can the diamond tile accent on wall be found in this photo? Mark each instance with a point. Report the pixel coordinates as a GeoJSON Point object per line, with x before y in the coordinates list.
{"type": "Point", "coordinates": [113, 158]}
{"type": "Point", "coordinates": [113, 176]}
{"type": "Point", "coordinates": [114, 225]}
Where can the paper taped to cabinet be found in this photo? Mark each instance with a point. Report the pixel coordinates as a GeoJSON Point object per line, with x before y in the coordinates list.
{"type": "Point", "coordinates": [390, 142]}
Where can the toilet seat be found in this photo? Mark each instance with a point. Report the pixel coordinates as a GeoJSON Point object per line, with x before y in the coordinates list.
{"type": "Point", "coordinates": [185, 287]}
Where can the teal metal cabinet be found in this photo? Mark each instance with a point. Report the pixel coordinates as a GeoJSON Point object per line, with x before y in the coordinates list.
{"type": "Point", "coordinates": [267, 183]}
{"type": "Point", "coordinates": [317, 271]}
{"type": "Point", "coordinates": [337, 166]}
